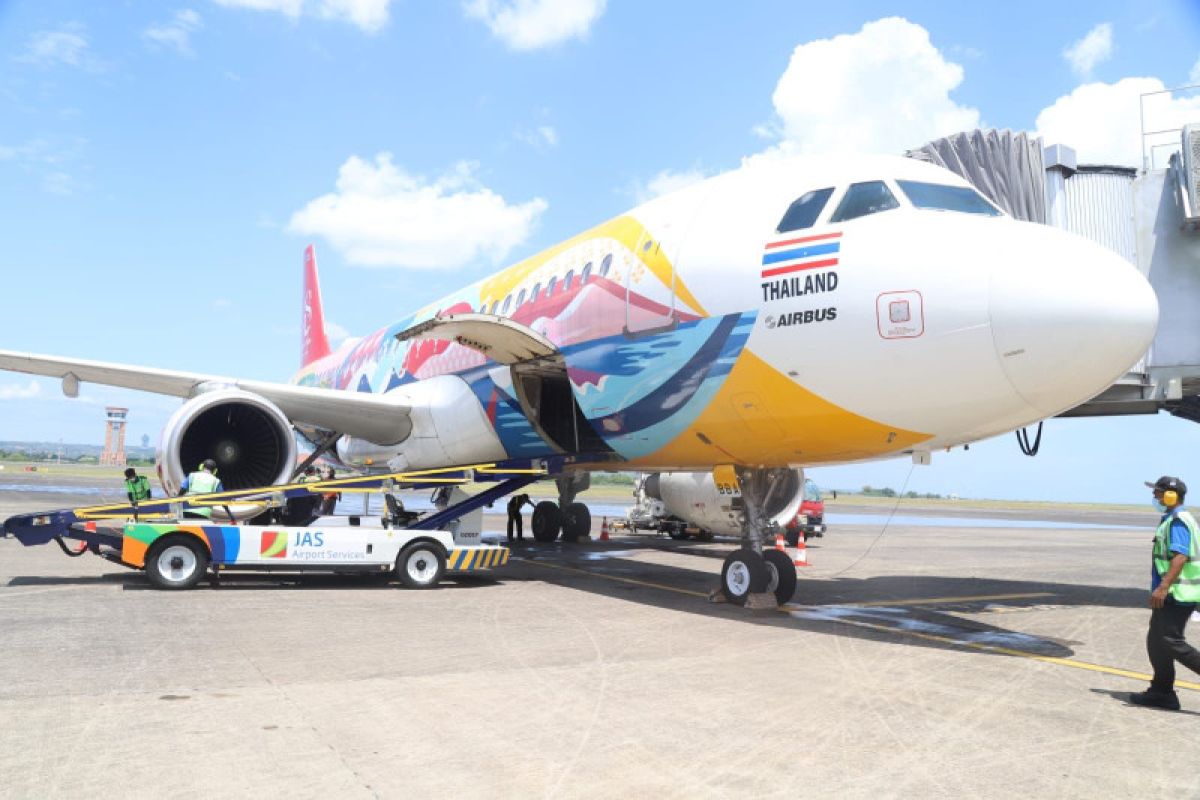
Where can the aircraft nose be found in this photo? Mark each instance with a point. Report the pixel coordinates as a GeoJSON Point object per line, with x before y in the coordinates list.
{"type": "Point", "coordinates": [1068, 316]}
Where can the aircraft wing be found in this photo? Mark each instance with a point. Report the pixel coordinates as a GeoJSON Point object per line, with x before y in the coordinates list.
{"type": "Point", "coordinates": [368, 416]}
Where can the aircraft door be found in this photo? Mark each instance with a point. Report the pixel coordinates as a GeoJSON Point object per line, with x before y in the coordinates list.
{"type": "Point", "coordinates": [649, 288]}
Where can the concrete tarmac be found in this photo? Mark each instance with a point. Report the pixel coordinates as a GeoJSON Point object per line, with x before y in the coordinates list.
{"type": "Point", "coordinates": [923, 662]}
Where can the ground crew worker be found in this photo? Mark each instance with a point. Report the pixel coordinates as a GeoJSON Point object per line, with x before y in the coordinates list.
{"type": "Point", "coordinates": [328, 499]}
{"type": "Point", "coordinates": [137, 487]}
{"type": "Point", "coordinates": [514, 515]}
{"type": "Point", "coordinates": [310, 475]}
{"type": "Point", "coordinates": [1175, 590]}
{"type": "Point", "coordinates": [203, 481]}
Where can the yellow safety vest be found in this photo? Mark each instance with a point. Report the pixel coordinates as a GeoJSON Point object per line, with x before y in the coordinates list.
{"type": "Point", "coordinates": [201, 482]}
{"type": "Point", "coordinates": [1186, 588]}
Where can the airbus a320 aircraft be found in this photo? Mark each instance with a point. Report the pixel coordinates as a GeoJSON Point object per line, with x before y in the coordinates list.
{"type": "Point", "coordinates": [786, 314]}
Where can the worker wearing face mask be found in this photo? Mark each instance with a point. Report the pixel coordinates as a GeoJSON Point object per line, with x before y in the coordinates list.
{"type": "Point", "coordinates": [1174, 593]}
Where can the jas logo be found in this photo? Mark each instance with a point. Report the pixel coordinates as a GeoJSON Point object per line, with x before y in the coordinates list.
{"type": "Point", "coordinates": [309, 539]}
{"type": "Point", "coordinates": [273, 544]}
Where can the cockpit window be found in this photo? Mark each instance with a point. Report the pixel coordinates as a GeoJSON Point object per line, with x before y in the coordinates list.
{"type": "Point", "coordinates": [862, 199]}
{"type": "Point", "coordinates": [804, 212]}
{"type": "Point", "coordinates": [947, 198]}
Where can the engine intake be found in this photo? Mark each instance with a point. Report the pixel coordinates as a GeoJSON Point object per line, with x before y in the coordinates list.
{"type": "Point", "coordinates": [247, 435]}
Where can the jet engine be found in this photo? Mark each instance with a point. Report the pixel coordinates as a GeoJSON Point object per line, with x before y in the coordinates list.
{"type": "Point", "coordinates": [247, 435]}
{"type": "Point", "coordinates": [695, 498]}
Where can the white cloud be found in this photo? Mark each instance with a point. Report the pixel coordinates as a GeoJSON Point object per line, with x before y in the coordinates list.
{"type": "Point", "coordinates": [1101, 120]}
{"type": "Point", "coordinates": [48, 161]}
{"type": "Point", "coordinates": [883, 89]}
{"type": "Point", "coordinates": [335, 333]}
{"type": "Point", "coordinates": [530, 24]}
{"type": "Point", "coordinates": [67, 45]}
{"type": "Point", "coordinates": [369, 15]}
{"type": "Point", "coordinates": [1094, 48]}
{"type": "Point", "coordinates": [540, 137]}
{"type": "Point", "coordinates": [176, 33]}
{"type": "Point", "coordinates": [666, 182]}
{"type": "Point", "coordinates": [381, 216]}
{"type": "Point", "coordinates": [19, 392]}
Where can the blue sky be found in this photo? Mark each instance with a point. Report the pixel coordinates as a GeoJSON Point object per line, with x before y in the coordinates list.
{"type": "Point", "coordinates": [163, 165]}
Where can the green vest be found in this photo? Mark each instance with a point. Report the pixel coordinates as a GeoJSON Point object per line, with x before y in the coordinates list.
{"type": "Point", "coordinates": [201, 482]}
{"type": "Point", "coordinates": [1186, 588]}
{"type": "Point", "coordinates": [138, 488]}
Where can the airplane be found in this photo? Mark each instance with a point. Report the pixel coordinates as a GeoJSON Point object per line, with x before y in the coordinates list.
{"type": "Point", "coordinates": [792, 313]}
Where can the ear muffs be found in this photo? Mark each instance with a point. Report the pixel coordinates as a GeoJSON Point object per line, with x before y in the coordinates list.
{"type": "Point", "coordinates": [1170, 498]}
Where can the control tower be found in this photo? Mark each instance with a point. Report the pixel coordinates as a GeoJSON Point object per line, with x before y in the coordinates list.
{"type": "Point", "coordinates": [114, 437]}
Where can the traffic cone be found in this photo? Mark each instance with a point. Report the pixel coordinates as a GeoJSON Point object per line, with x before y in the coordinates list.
{"type": "Point", "coordinates": [780, 542]}
{"type": "Point", "coordinates": [604, 530]}
{"type": "Point", "coordinates": [801, 559]}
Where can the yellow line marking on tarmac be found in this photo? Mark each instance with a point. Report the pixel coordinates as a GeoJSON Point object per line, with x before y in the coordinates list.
{"type": "Point", "coordinates": [1008, 651]}
{"type": "Point", "coordinates": [929, 601]}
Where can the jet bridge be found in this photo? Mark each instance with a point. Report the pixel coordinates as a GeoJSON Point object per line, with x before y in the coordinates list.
{"type": "Point", "coordinates": [1149, 216]}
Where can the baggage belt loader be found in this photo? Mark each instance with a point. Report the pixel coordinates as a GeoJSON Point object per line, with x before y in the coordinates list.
{"type": "Point", "coordinates": [177, 541]}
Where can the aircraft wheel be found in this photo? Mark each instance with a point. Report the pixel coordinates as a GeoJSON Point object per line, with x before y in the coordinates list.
{"type": "Point", "coordinates": [421, 565]}
{"type": "Point", "coordinates": [744, 573]}
{"type": "Point", "coordinates": [576, 522]}
{"type": "Point", "coordinates": [781, 575]}
{"type": "Point", "coordinates": [174, 562]}
{"type": "Point", "coordinates": [546, 521]}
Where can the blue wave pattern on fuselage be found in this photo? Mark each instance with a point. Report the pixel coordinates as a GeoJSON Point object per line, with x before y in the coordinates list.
{"type": "Point", "coordinates": [640, 394]}
{"type": "Point", "coordinates": [516, 433]}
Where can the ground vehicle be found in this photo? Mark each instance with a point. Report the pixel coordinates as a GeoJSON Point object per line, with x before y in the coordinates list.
{"type": "Point", "coordinates": [810, 519]}
{"type": "Point", "coordinates": [176, 551]}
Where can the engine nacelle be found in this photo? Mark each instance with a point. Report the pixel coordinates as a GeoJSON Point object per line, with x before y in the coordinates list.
{"type": "Point", "coordinates": [247, 435]}
{"type": "Point", "coordinates": [695, 498]}
{"type": "Point", "coordinates": [449, 426]}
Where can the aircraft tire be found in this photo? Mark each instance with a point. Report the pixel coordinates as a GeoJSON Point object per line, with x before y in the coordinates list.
{"type": "Point", "coordinates": [576, 522]}
{"type": "Point", "coordinates": [781, 575]}
{"type": "Point", "coordinates": [546, 521]}
{"type": "Point", "coordinates": [421, 565]}
{"type": "Point", "coordinates": [176, 562]}
{"type": "Point", "coordinates": [743, 573]}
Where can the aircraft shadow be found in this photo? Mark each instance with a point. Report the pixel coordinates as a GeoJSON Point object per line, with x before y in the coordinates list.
{"type": "Point", "coordinates": [891, 608]}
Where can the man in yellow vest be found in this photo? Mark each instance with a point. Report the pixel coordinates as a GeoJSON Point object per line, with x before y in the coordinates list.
{"type": "Point", "coordinates": [1175, 590]}
{"type": "Point", "coordinates": [137, 487]}
{"type": "Point", "coordinates": [203, 481]}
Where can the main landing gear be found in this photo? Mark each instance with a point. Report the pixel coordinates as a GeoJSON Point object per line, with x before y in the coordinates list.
{"type": "Point", "coordinates": [751, 576]}
{"type": "Point", "coordinates": [573, 520]}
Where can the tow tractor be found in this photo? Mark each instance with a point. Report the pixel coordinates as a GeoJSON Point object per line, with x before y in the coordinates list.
{"type": "Point", "coordinates": [176, 541]}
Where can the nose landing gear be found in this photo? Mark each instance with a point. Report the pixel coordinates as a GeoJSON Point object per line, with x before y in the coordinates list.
{"type": "Point", "coordinates": [751, 577]}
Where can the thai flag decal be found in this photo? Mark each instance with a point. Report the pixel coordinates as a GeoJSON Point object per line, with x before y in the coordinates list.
{"type": "Point", "coordinates": [796, 254]}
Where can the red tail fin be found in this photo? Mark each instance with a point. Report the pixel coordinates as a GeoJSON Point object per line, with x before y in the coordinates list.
{"type": "Point", "coordinates": [312, 323]}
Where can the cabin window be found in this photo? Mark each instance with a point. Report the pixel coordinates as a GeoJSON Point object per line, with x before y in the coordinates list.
{"type": "Point", "coordinates": [533, 293]}
{"type": "Point", "coordinates": [804, 211]}
{"type": "Point", "coordinates": [520, 300]}
{"type": "Point", "coordinates": [570, 276]}
{"type": "Point", "coordinates": [550, 286]}
{"type": "Point", "coordinates": [862, 199]}
{"type": "Point", "coordinates": [587, 273]}
{"type": "Point", "coordinates": [507, 303]}
{"type": "Point", "coordinates": [605, 265]}
{"type": "Point", "coordinates": [941, 197]}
